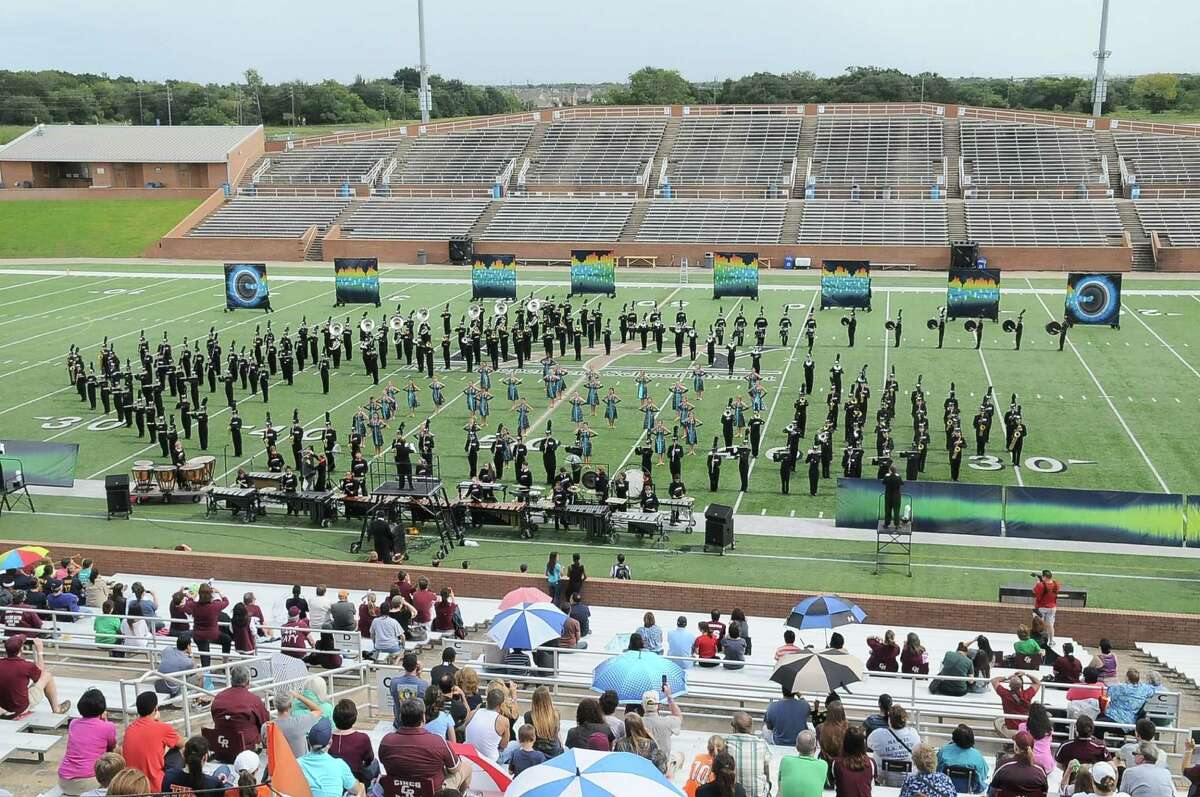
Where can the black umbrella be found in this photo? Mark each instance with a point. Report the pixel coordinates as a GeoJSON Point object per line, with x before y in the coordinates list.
{"type": "Point", "coordinates": [817, 673]}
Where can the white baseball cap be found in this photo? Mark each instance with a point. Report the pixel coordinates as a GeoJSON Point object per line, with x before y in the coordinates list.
{"type": "Point", "coordinates": [246, 761]}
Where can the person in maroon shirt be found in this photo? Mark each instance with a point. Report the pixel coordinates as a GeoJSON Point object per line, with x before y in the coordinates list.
{"type": "Point", "coordinates": [884, 653]}
{"type": "Point", "coordinates": [242, 630]}
{"type": "Point", "coordinates": [1018, 774]}
{"type": "Point", "coordinates": [412, 753]}
{"type": "Point", "coordinates": [1067, 668]}
{"type": "Point", "coordinates": [444, 611]}
{"type": "Point", "coordinates": [368, 610]}
{"type": "Point", "coordinates": [21, 615]}
{"type": "Point", "coordinates": [1014, 699]}
{"type": "Point", "coordinates": [1084, 748]}
{"type": "Point", "coordinates": [715, 626]}
{"type": "Point", "coordinates": [206, 611]}
{"type": "Point", "coordinates": [257, 621]}
{"type": "Point", "coordinates": [353, 747]}
{"type": "Point", "coordinates": [23, 682]}
{"type": "Point", "coordinates": [854, 771]}
{"type": "Point", "coordinates": [237, 711]}
{"type": "Point", "coordinates": [293, 637]}
{"type": "Point", "coordinates": [423, 600]}
{"type": "Point", "coordinates": [404, 584]}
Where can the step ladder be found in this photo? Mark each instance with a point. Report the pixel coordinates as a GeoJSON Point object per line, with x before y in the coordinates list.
{"type": "Point", "coordinates": [893, 544]}
{"type": "Point", "coordinates": [683, 271]}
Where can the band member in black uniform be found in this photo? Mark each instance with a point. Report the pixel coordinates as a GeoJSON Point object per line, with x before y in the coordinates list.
{"type": "Point", "coordinates": [402, 453]}
{"type": "Point", "coordinates": [1017, 441]}
{"type": "Point", "coordinates": [727, 424]}
{"type": "Point", "coordinates": [743, 453]}
{"type": "Point", "coordinates": [756, 360]}
{"type": "Point", "coordinates": [91, 386]}
{"type": "Point", "coordinates": [329, 437]}
{"type": "Point", "coordinates": [787, 464]}
{"type": "Point", "coordinates": [1019, 330]}
{"type": "Point", "coordinates": [825, 442]}
{"type": "Point", "coordinates": [755, 427]}
{"type": "Point", "coordinates": [809, 367]}
{"type": "Point", "coordinates": [577, 342]}
{"type": "Point", "coordinates": [760, 328]}
{"type": "Point", "coordinates": [229, 378]}
{"type": "Point", "coordinates": [285, 365]}
{"type": "Point", "coordinates": [525, 481]}
{"type": "Point", "coordinates": [852, 459]}
{"type": "Point", "coordinates": [264, 386]}
{"type": "Point", "coordinates": [898, 327]}
{"type": "Point", "coordinates": [296, 433]}
{"type": "Point", "coordinates": [851, 328]}
{"type": "Point", "coordinates": [1062, 334]}
{"type": "Point", "coordinates": [185, 415]}
{"type": "Point", "coordinates": [678, 329]}
{"type": "Point", "coordinates": [235, 430]}
{"type": "Point", "coordinates": [978, 332]}
{"type": "Point", "coordinates": [289, 483]}
{"type": "Point", "coordinates": [471, 448]}
{"type": "Point", "coordinates": [785, 328]}
{"type": "Point", "coordinates": [891, 497]}
{"type": "Point", "coordinates": [549, 448]}
{"type": "Point", "coordinates": [675, 458]}
{"type": "Point", "coordinates": [608, 337]}
{"type": "Point", "coordinates": [941, 325]}
{"type": "Point", "coordinates": [139, 416]}
{"type": "Point", "coordinates": [813, 458]}
{"type": "Point", "coordinates": [713, 464]}
{"type": "Point", "coordinates": [810, 329]}
{"type": "Point", "coordinates": [324, 369]}
{"type": "Point", "coordinates": [730, 356]}
{"type": "Point", "coordinates": [710, 347]}
{"type": "Point", "coordinates": [274, 460]}
{"type": "Point", "coordinates": [371, 362]}
{"type": "Point", "coordinates": [956, 452]}
{"type": "Point", "coordinates": [983, 429]}
{"type": "Point", "coordinates": [242, 479]}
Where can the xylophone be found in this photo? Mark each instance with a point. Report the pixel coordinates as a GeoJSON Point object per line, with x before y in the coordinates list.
{"type": "Point", "coordinates": [264, 480]}
{"type": "Point", "coordinates": [594, 519]}
{"type": "Point", "coordinates": [321, 507]}
{"type": "Point", "coordinates": [241, 500]}
{"type": "Point", "coordinates": [514, 514]}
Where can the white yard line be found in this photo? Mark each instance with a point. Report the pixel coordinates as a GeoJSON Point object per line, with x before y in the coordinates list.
{"type": "Point", "coordinates": [1104, 393]}
{"type": "Point", "coordinates": [775, 401]}
{"type": "Point", "coordinates": [63, 309]}
{"type": "Point", "coordinates": [31, 282]}
{"type": "Point", "coordinates": [55, 293]}
{"type": "Point", "coordinates": [987, 373]}
{"type": "Point", "coordinates": [887, 314]}
{"type": "Point", "coordinates": [1159, 338]}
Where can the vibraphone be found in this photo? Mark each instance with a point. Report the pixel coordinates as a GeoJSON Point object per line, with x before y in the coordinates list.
{"type": "Point", "coordinates": [680, 510]}
{"type": "Point", "coordinates": [651, 524]}
{"type": "Point", "coordinates": [496, 488]}
{"type": "Point", "coordinates": [241, 500]}
{"type": "Point", "coordinates": [514, 514]}
{"type": "Point", "coordinates": [594, 519]}
{"type": "Point", "coordinates": [263, 480]}
{"type": "Point", "coordinates": [321, 507]}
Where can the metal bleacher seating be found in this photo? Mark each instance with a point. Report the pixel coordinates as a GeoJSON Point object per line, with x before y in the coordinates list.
{"type": "Point", "coordinates": [999, 155]}
{"type": "Point", "coordinates": [333, 164]}
{"type": "Point", "coordinates": [413, 219]}
{"type": "Point", "coordinates": [1072, 222]}
{"type": "Point", "coordinates": [269, 217]}
{"type": "Point", "coordinates": [1176, 222]}
{"type": "Point", "coordinates": [735, 150]}
{"type": "Point", "coordinates": [559, 220]}
{"type": "Point", "coordinates": [750, 221]}
{"type": "Point", "coordinates": [878, 152]}
{"type": "Point", "coordinates": [596, 151]}
{"type": "Point", "coordinates": [474, 156]}
{"type": "Point", "coordinates": [1159, 160]}
{"type": "Point", "coordinates": [874, 222]}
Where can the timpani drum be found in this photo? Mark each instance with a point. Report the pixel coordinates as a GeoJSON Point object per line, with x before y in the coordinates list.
{"type": "Point", "coordinates": [143, 476]}
{"type": "Point", "coordinates": [164, 475]}
{"type": "Point", "coordinates": [191, 475]}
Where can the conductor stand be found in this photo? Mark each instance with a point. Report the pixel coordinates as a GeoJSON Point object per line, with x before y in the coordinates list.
{"type": "Point", "coordinates": [893, 544]}
{"type": "Point", "coordinates": [424, 499]}
{"type": "Point", "coordinates": [12, 483]}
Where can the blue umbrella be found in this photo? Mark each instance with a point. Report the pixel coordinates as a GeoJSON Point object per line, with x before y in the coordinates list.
{"type": "Point", "coordinates": [824, 611]}
{"type": "Point", "coordinates": [635, 672]}
{"type": "Point", "coordinates": [593, 773]}
{"type": "Point", "coordinates": [527, 625]}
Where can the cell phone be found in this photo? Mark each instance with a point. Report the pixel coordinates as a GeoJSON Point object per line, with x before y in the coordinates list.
{"type": "Point", "coordinates": [664, 688]}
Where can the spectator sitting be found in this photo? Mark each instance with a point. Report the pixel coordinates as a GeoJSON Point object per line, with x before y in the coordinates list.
{"type": "Point", "coordinates": [751, 755]}
{"type": "Point", "coordinates": [1038, 725]}
{"type": "Point", "coordinates": [738, 616]}
{"type": "Point", "coordinates": [837, 642]}
{"type": "Point", "coordinates": [1025, 644]}
{"type": "Point", "coordinates": [854, 772]}
{"type": "Point", "coordinates": [409, 686]}
{"type": "Point", "coordinates": [527, 756]}
{"type": "Point", "coordinates": [1126, 700]}
{"type": "Point", "coordinates": [105, 627]}
{"type": "Point", "coordinates": [803, 775]}
{"type": "Point", "coordinates": [832, 732]}
{"type": "Point", "coordinates": [191, 777]}
{"type": "Point", "coordinates": [343, 614]}
{"type": "Point", "coordinates": [467, 680]}
{"type": "Point", "coordinates": [652, 635]}
{"type": "Point", "coordinates": [1106, 662]}
{"type": "Point", "coordinates": [387, 637]}
{"type": "Point", "coordinates": [1145, 732]}
{"type": "Point", "coordinates": [609, 703]}
{"type": "Point", "coordinates": [314, 697]}
{"type": "Point", "coordinates": [487, 730]}
{"type": "Point", "coordinates": [981, 671]}
{"type": "Point", "coordinates": [1147, 778]}
{"type": "Point", "coordinates": [423, 600]}
{"type": "Point", "coordinates": [661, 726]}
{"type": "Point", "coordinates": [241, 629]}
{"type": "Point", "coordinates": [65, 603]}
{"type": "Point", "coordinates": [893, 743]}
{"type": "Point", "coordinates": [569, 637]}
{"type": "Point", "coordinates": [914, 659]}
{"type": "Point", "coordinates": [874, 722]}
{"type": "Point", "coordinates": [88, 738]}
{"type": "Point", "coordinates": [237, 712]}
{"type": "Point", "coordinates": [725, 781]}
{"type": "Point", "coordinates": [293, 636]}
{"type": "Point", "coordinates": [884, 654]}
{"type": "Point", "coordinates": [318, 607]}
{"type": "Point", "coordinates": [176, 659]}
{"type": "Point", "coordinates": [146, 601]}
{"type": "Point", "coordinates": [679, 643]}
{"type": "Point", "coordinates": [327, 776]}
{"type": "Point", "coordinates": [439, 721]}
{"type": "Point", "coordinates": [1019, 773]}
{"type": "Point", "coordinates": [1015, 700]}
{"type": "Point", "coordinates": [955, 664]}
{"type": "Point", "coordinates": [789, 646]}
{"type": "Point", "coordinates": [147, 740]}
{"type": "Point", "coordinates": [353, 747]}
{"type": "Point", "coordinates": [927, 780]}
{"type": "Point", "coordinates": [368, 610]}
{"type": "Point", "coordinates": [447, 667]}
{"type": "Point", "coordinates": [107, 767]}
{"type": "Point", "coordinates": [715, 626]}
{"type": "Point", "coordinates": [297, 601]}
{"type": "Point", "coordinates": [23, 683]}
{"type": "Point", "coordinates": [257, 621]}
{"type": "Point", "coordinates": [961, 752]}
{"type": "Point", "coordinates": [1089, 699]}
{"type": "Point", "coordinates": [445, 612]}
{"type": "Point", "coordinates": [1067, 668]}
{"type": "Point", "coordinates": [582, 614]}
{"type": "Point", "coordinates": [590, 731]}
{"type": "Point", "coordinates": [637, 740]}
{"type": "Point", "coordinates": [1104, 780]}
{"type": "Point", "coordinates": [1191, 772]}
{"type": "Point", "coordinates": [1085, 748]}
{"type": "Point", "coordinates": [786, 718]}
{"type": "Point", "coordinates": [544, 719]}
{"type": "Point", "coordinates": [705, 647]}
{"type": "Point", "coordinates": [700, 772]}
{"type": "Point", "coordinates": [293, 726]}
{"type": "Point", "coordinates": [734, 648]}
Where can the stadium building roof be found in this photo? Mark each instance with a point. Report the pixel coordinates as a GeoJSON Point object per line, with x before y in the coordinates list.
{"type": "Point", "coordinates": [126, 144]}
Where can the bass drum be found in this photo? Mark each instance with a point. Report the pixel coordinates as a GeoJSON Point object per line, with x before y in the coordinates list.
{"type": "Point", "coordinates": [636, 479]}
{"type": "Point", "coordinates": [588, 479]}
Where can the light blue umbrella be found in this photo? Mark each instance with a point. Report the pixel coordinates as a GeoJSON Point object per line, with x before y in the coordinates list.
{"type": "Point", "coordinates": [527, 625]}
{"type": "Point", "coordinates": [593, 773]}
{"type": "Point", "coordinates": [635, 672]}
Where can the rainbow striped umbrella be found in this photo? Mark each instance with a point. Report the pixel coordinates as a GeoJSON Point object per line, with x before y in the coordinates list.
{"type": "Point", "coordinates": [20, 558]}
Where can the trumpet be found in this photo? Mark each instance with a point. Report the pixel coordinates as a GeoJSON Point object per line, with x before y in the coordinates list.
{"type": "Point", "coordinates": [423, 315]}
{"type": "Point", "coordinates": [367, 326]}
{"type": "Point", "coordinates": [474, 311]}
{"type": "Point", "coordinates": [500, 307]}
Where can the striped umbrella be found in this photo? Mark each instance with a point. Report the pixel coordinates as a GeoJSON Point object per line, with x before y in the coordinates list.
{"type": "Point", "coordinates": [824, 611]}
{"type": "Point", "coordinates": [527, 625]}
{"type": "Point", "coordinates": [636, 672]}
{"type": "Point", "coordinates": [20, 558]}
{"type": "Point", "coordinates": [593, 773]}
{"type": "Point", "coordinates": [486, 778]}
{"type": "Point", "coordinates": [817, 673]}
{"type": "Point", "coordinates": [524, 595]}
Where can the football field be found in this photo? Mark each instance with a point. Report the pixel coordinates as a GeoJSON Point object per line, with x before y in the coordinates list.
{"type": "Point", "coordinates": [1118, 409]}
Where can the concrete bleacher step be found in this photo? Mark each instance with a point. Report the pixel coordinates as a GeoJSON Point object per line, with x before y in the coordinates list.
{"type": "Point", "coordinates": [1143, 255]}
{"type": "Point", "coordinates": [535, 140]}
{"type": "Point", "coordinates": [1173, 680]}
{"type": "Point", "coordinates": [634, 222]}
{"type": "Point", "coordinates": [1108, 147]}
{"type": "Point", "coordinates": [804, 151]}
{"type": "Point", "coordinates": [665, 147]}
{"type": "Point", "coordinates": [485, 218]}
{"type": "Point", "coordinates": [952, 149]}
{"type": "Point", "coordinates": [37, 743]}
{"type": "Point", "coordinates": [790, 232]}
{"type": "Point", "coordinates": [956, 219]}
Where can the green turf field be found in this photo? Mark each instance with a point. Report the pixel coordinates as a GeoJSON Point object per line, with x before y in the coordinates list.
{"type": "Point", "coordinates": [87, 228]}
{"type": "Point", "coordinates": [1122, 401]}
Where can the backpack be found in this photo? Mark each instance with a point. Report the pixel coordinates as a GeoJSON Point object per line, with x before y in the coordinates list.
{"type": "Point", "coordinates": [621, 572]}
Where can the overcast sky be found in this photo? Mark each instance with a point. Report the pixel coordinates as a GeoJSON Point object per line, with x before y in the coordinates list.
{"type": "Point", "coordinates": [543, 41]}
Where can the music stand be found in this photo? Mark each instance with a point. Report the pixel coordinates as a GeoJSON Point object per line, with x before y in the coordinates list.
{"type": "Point", "coordinates": [20, 490]}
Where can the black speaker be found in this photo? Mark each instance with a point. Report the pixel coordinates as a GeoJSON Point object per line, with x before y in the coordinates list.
{"type": "Point", "coordinates": [718, 527]}
{"type": "Point", "coordinates": [116, 492]}
{"type": "Point", "coordinates": [462, 250]}
{"type": "Point", "coordinates": [963, 254]}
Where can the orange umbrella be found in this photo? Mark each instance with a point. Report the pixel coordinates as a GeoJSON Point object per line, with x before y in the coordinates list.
{"type": "Point", "coordinates": [524, 595]}
{"type": "Point", "coordinates": [286, 777]}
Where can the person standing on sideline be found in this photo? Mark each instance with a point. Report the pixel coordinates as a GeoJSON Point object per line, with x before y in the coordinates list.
{"type": "Point", "coordinates": [1045, 601]}
{"type": "Point", "coordinates": [891, 497]}
{"type": "Point", "coordinates": [554, 577]}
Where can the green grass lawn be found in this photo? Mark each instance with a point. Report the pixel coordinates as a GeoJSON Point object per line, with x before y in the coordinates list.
{"type": "Point", "coordinates": [87, 228]}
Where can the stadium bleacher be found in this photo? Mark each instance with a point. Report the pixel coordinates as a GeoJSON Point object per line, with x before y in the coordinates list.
{"type": "Point", "coordinates": [473, 156]}
{"type": "Point", "coordinates": [720, 221]}
{"type": "Point", "coordinates": [876, 153]}
{"type": "Point", "coordinates": [269, 217]}
{"type": "Point", "coordinates": [412, 219]}
{"type": "Point", "coordinates": [874, 222]}
{"type": "Point", "coordinates": [597, 151]}
{"type": "Point", "coordinates": [1073, 222]}
{"type": "Point", "coordinates": [333, 164]}
{"type": "Point", "coordinates": [1159, 160]}
{"type": "Point", "coordinates": [735, 150]}
{"type": "Point", "coordinates": [559, 220]}
{"type": "Point", "coordinates": [1176, 222]}
{"type": "Point", "coordinates": [1002, 156]}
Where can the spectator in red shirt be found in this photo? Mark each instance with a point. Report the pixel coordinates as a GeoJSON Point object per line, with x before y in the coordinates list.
{"type": "Point", "coordinates": [705, 646]}
{"type": "Point", "coordinates": [368, 610]}
{"type": "Point", "coordinates": [404, 584]}
{"type": "Point", "coordinates": [293, 637]}
{"type": "Point", "coordinates": [257, 621]}
{"type": "Point", "coordinates": [1067, 668]}
{"type": "Point", "coordinates": [242, 631]}
{"type": "Point", "coordinates": [423, 599]}
{"type": "Point", "coordinates": [914, 658]}
{"type": "Point", "coordinates": [1084, 748]}
{"type": "Point", "coordinates": [237, 711]}
{"type": "Point", "coordinates": [24, 682]}
{"type": "Point", "coordinates": [148, 740]}
{"type": "Point", "coordinates": [412, 753]}
{"type": "Point", "coordinates": [1015, 699]}
{"type": "Point", "coordinates": [206, 611]}
{"type": "Point", "coordinates": [1045, 602]}
{"type": "Point", "coordinates": [444, 611]}
{"type": "Point", "coordinates": [715, 626]}
{"type": "Point", "coordinates": [884, 653]}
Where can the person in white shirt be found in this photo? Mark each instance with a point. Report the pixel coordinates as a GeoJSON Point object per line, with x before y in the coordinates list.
{"type": "Point", "coordinates": [318, 608]}
{"type": "Point", "coordinates": [893, 742]}
{"type": "Point", "coordinates": [488, 731]}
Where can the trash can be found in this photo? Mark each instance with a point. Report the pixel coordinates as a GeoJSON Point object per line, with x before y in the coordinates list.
{"type": "Point", "coordinates": [422, 257]}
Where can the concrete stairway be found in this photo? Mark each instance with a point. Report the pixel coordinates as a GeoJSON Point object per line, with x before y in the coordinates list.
{"type": "Point", "coordinates": [1108, 148]}
{"type": "Point", "coordinates": [1143, 255]}
{"type": "Point", "coordinates": [634, 222]}
{"type": "Point", "coordinates": [484, 220]}
{"type": "Point", "coordinates": [316, 250]}
{"type": "Point", "coordinates": [535, 140]}
{"type": "Point", "coordinates": [791, 222]}
{"type": "Point", "coordinates": [665, 147]}
{"type": "Point", "coordinates": [956, 219]}
{"type": "Point", "coordinates": [808, 140]}
{"type": "Point", "coordinates": [952, 149]}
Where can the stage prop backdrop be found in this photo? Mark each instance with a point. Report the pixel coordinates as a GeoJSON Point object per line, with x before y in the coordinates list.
{"type": "Point", "coordinates": [1094, 299]}
{"type": "Point", "coordinates": [973, 293]}
{"type": "Point", "coordinates": [1057, 513]}
{"type": "Point", "coordinates": [735, 274]}
{"type": "Point", "coordinates": [356, 280]}
{"type": "Point", "coordinates": [846, 283]}
{"type": "Point", "coordinates": [593, 271]}
{"type": "Point", "coordinates": [42, 464]}
{"type": "Point", "coordinates": [1193, 521]}
{"type": "Point", "coordinates": [493, 277]}
{"type": "Point", "coordinates": [246, 286]}
{"type": "Point", "coordinates": [938, 507]}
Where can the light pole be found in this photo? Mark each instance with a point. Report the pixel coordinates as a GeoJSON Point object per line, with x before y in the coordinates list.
{"type": "Point", "coordinates": [423, 100]}
{"type": "Point", "coordinates": [1100, 89]}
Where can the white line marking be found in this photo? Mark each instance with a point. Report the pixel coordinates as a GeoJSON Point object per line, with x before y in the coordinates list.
{"type": "Point", "coordinates": [32, 282]}
{"type": "Point", "coordinates": [1186, 364]}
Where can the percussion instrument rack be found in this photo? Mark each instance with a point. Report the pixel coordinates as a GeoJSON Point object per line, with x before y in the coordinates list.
{"type": "Point", "coordinates": [9, 487]}
{"type": "Point", "coordinates": [168, 484]}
